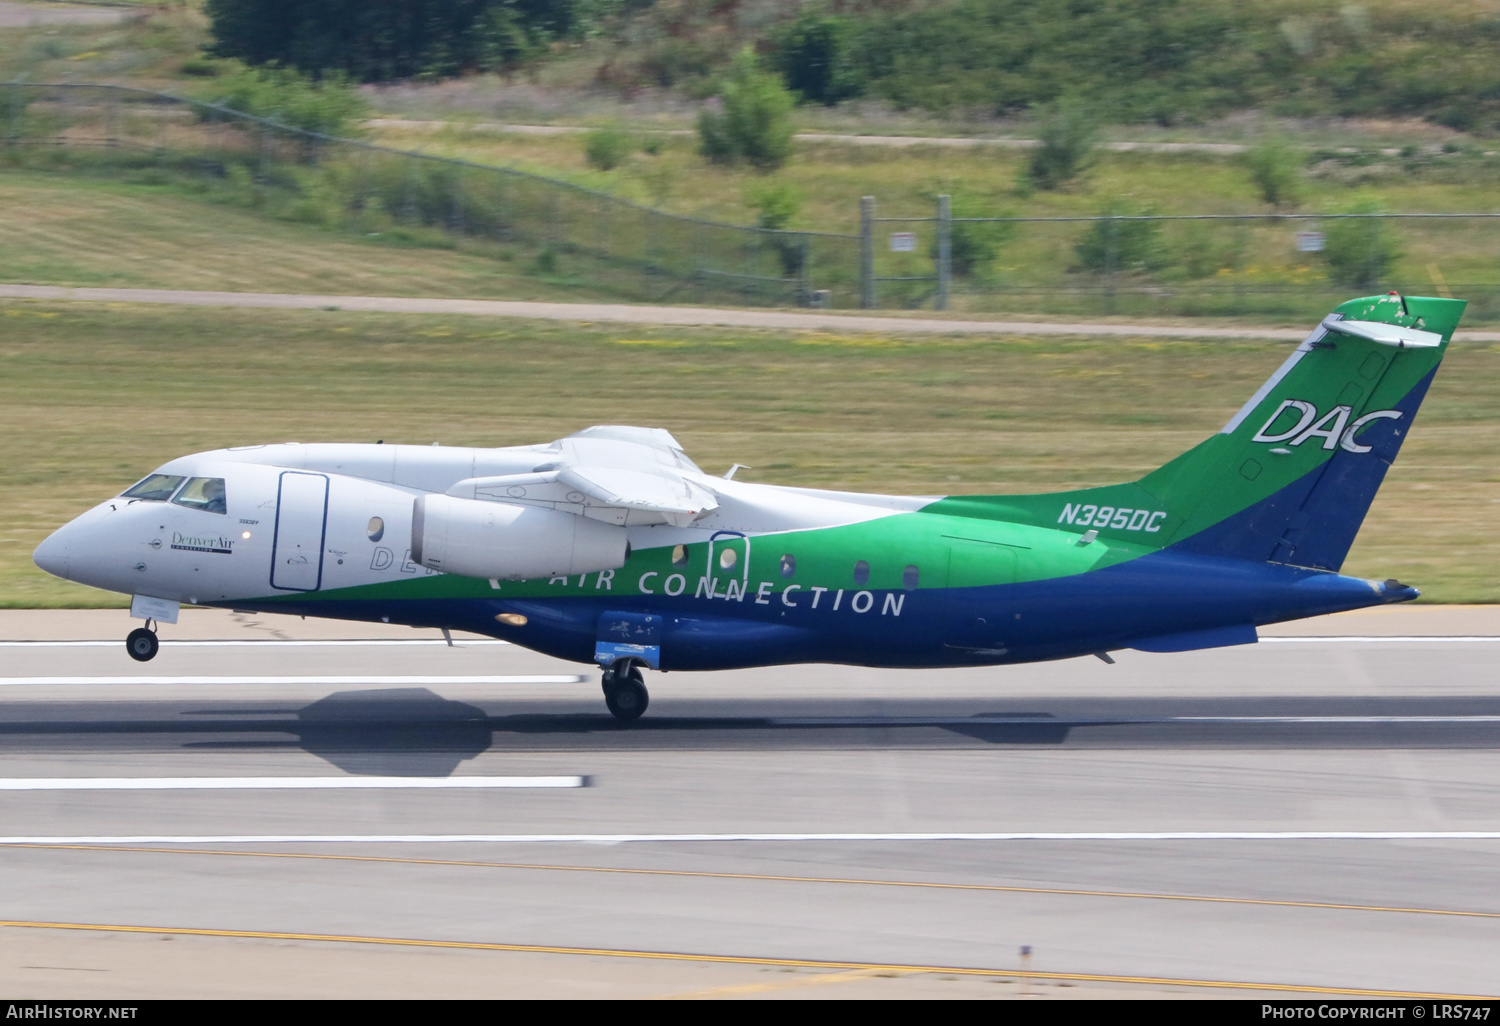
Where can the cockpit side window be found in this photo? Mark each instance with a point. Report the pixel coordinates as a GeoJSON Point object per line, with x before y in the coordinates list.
{"type": "Point", "coordinates": [205, 493]}
{"type": "Point", "coordinates": [157, 488]}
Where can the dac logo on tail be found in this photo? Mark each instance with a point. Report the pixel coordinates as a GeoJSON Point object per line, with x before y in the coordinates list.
{"type": "Point", "coordinates": [1333, 427]}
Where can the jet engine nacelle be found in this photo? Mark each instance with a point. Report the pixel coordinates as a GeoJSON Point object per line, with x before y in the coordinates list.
{"type": "Point", "coordinates": [510, 542]}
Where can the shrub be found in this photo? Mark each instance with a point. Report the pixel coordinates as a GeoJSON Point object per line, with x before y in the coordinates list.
{"type": "Point", "coordinates": [1115, 244]}
{"type": "Point", "coordinates": [606, 148]}
{"type": "Point", "coordinates": [755, 123]}
{"type": "Point", "coordinates": [776, 205]}
{"type": "Point", "coordinates": [1066, 134]}
{"type": "Point", "coordinates": [330, 106]}
{"type": "Point", "coordinates": [813, 54]}
{"type": "Point", "coordinates": [972, 246]}
{"type": "Point", "coordinates": [1276, 169]}
{"type": "Point", "coordinates": [1359, 250]}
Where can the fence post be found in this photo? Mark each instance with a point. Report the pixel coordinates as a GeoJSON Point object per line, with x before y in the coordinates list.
{"type": "Point", "coordinates": [944, 250]}
{"type": "Point", "coordinates": [867, 252]}
{"type": "Point", "coordinates": [804, 258]}
{"type": "Point", "coordinates": [456, 222]}
{"type": "Point", "coordinates": [1111, 260]}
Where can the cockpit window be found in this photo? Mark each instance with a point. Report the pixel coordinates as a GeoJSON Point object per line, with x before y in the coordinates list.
{"type": "Point", "coordinates": [205, 493]}
{"type": "Point", "coordinates": [157, 487]}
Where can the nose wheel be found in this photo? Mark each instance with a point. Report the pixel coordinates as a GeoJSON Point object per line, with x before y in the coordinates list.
{"type": "Point", "coordinates": [625, 691]}
{"type": "Point", "coordinates": [141, 643]}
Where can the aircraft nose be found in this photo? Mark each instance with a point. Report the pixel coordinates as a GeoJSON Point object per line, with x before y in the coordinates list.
{"type": "Point", "coordinates": [52, 554]}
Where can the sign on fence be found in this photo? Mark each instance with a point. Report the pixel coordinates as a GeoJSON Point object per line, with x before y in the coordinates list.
{"type": "Point", "coordinates": [1309, 242]}
{"type": "Point", "coordinates": [903, 242]}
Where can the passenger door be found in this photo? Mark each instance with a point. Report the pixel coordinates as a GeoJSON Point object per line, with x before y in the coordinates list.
{"type": "Point", "coordinates": [301, 523]}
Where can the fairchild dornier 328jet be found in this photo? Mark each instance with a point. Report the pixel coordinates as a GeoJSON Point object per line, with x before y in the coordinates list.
{"type": "Point", "coordinates": [611, 546]}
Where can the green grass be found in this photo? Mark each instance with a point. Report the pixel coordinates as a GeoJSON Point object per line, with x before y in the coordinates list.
{"type": "Point", "coordinates": [66, 230]}
{"type": "Point", "coordinates": [92, 397]}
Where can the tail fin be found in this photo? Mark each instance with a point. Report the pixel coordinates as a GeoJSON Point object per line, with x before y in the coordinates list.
{"type": "Point", "coordinates": [1290, 477]}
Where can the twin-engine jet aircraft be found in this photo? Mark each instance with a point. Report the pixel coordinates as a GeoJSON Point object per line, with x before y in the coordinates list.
{"type": "Point", "coordinates": [611, 546]}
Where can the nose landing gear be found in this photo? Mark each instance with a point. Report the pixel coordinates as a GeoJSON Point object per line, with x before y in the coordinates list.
{"type": "Point", "coordinates": [141, 643]}
{"type": "Point", "coordinates": [625, 691]}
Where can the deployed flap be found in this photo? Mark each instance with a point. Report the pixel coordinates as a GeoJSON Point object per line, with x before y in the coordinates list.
{"type": "Point", "coordinates": [620, 475]}
{"type": "Point", "coordinates": [669, 494]}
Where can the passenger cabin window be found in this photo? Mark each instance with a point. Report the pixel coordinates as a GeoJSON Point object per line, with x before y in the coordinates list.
{"type": "Point", "coordinates": [679, 555]}
{"type": "Point", "coordinates": [909, 577]}
{"type": "Point", "coordinates": [789, 566]}
{"type": "Point", "coordinates": [205, 493]}
{"type": "Point", "coordinates": [157, 488]}
{"type": "Point", "coordinates": [375, 529]}
{"type": "Point", "coordinates": [861, 573]}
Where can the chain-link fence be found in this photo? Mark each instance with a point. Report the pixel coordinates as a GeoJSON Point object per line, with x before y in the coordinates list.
{"type": "Point", "coordinates": [579, 235]}
{"type": "Point", "coordinates": [1183, 265]}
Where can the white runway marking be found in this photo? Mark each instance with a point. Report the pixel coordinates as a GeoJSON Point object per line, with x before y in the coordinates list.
{"type": "Point", "coordinates": [260, 642]}
{"type": "Point", "coordinates": [272, 783]}
{"type": "Point", "coordinates": [1066, 836]}
{"type": "Point", "coordinates": [1377, 639]}
{"type": "Point", "coordinates": [1105, 721]}
{"type": "Point", "coordinates": [1398, 639]}
{"type": "Point", "coordinates": [540, 678]}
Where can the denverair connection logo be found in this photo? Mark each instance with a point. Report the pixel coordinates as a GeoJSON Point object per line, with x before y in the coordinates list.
{"type": "Point", "coordinates": [202, 543]}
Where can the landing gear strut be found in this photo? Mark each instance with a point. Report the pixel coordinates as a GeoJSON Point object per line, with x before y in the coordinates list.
{"type": "Point", "coordinates": [141, 643]}
{"type": "Point", "coordinates": [625, 691]}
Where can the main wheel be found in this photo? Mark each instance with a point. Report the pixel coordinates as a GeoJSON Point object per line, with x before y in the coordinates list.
{"type": "Point", "coordinates": [141, 644]}
{"type": "Point", "coordinates": [627, 697]}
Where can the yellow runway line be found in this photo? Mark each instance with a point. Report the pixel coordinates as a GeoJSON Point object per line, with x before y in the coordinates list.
{"type": "Point", "coordinates": [769, 878]}
{"type": "Point", "coordinates": [681, 956]}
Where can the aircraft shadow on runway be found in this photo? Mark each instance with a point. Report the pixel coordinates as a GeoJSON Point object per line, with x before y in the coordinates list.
{"type": "Point", "coordinates": [415, 732]}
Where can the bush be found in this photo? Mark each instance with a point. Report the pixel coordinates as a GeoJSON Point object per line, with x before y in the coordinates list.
{"type": "Point", "coordinates": [776, 205]}
{"type": "Point", "coordinates": [1359, 251]}
{"type": "Point", "coordinates": [1276, 169]}
{"type": "Point", "coordinates": [813, 54]}
{"type": "Point", "coordinates": [1066, 135]}
{"type": "Point", "coordinates": [755, 123]}
{"type": "Point", "coordinates": [972, 246]}
{"type": "Point", "coordinates": [330, 106]}
{"type": "Point", "coordinates": [1116, 244]}
{"type": "Point", "coordinates": [606, 148]}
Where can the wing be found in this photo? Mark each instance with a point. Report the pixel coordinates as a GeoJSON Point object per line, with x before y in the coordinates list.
{"type": "Point", "coordinates": [620, 475]}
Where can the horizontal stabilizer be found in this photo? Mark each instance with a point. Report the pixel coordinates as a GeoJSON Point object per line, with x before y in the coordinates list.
{"type": "Point", "coordinates": [1191, 641]}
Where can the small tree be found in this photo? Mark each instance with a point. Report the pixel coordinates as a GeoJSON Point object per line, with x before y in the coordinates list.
{"type": "Point", "coordinates": [1066, 135]}
{"type": "Point", "coordinates": [776, 205]}
{"type": "Point", "coordinates": [1359, 250]}
{"type": "Point", "coordinates": [813, 54]}
{"type": "Point", "coordinates": [606, 148]}
{"type": "Point", "coordinates": [755, 124]}
{"type": "Point", "coordinates": [1113, 243]}
{"type": "Point", "coordinates": [1276, 169]}
{"type": "Point", "coordinates": [329, 105]}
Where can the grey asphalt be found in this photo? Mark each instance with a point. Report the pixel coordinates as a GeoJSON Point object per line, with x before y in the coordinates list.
{"type": "Point", "coordinates": [1363, 733]}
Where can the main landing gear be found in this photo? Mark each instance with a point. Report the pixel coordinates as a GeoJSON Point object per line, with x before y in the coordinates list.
{"type": "Point", "coordinates": [625, 691]}
{"type": "Point", "coordinates": [141, 643]}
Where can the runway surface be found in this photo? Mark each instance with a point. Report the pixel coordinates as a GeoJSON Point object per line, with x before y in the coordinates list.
{"type": "Point", "coordinates": [372, 813]}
